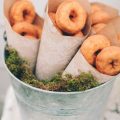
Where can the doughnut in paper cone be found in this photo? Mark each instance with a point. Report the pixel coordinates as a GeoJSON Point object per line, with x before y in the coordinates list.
{"type": "Point", "coordinates": [57, 50]}
{"type": "Point", "coordinates": [27, 48]}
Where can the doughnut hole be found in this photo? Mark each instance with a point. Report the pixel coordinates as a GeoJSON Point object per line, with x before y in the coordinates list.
{"type": "Point", "coordinates": [114, 63]}
{"type": "Point", "coordinates": [73, 15]}
{"type": "Point", "coordinates": [93, 46]}
{"type": "Point", "coordinates": [25, 14]}
{"type": "Point", "coordinates": [108, 61]}
{"type": "Point", "coordinates": [23, 33]}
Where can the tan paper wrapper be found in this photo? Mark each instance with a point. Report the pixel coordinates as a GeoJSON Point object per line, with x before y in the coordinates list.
{"type": "Point", "coordinates": [27, 49]}
{"type": "Point", "coordinates": [79, 63]}
{"type": "Point", "coordinates": [57, 50]}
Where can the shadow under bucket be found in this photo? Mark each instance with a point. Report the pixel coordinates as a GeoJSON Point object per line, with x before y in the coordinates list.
{"type": "Point", "coordinates": [37, 104]}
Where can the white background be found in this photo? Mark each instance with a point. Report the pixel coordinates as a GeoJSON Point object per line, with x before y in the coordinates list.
{"type": "Point", "coordinates": [4, 78]}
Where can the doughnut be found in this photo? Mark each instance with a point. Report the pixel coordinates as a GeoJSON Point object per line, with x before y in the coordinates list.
{"type": "Point", "coordinates": [22, 10]}
{"type": "Point", "coordinates": [92, 46]}
{"type": "Point", "coordinates": [100, 17]}
{"type": "Point", "coordinates": [53, 19]}
{"type": "Point", "coordinates": [98, 27]}
{"type": "Point", "coordinates": [24, 28]}
{"type": "Point", "coordinates": [108, 61]}
{"type": "Point", "coordinates": [71, 16]}
{"type": "Point", "coordinates": [95, 7]}
{"type": "Point", "coordinates": [79, 34]}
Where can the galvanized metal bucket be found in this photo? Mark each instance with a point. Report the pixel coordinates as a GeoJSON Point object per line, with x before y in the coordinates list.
{"type": "Point", "coordinates": [37, 104]}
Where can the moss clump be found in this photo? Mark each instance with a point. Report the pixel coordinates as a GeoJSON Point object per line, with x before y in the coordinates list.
{"type": "Point", "coordinates": [82, 82]}
{"type": "Point", "coordinates": [13, 62]}
{"type": "Point", "coordinates": [68, 83]}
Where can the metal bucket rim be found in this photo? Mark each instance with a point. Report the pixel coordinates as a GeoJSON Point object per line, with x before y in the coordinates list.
{"type": "Point", "coordinates": [51, 92]}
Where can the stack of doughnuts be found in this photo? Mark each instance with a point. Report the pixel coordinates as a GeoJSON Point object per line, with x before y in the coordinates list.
{"type": "Point", "coordinates": [99, 17]}
{"type": "Point", "coordinates": [22, 16]}
{"type": "Point", "coordinates": [100, 54]}
{"type": "Point", "coordinates": [70, 18]}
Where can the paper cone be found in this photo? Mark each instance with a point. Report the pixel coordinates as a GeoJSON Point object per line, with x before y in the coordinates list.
{"type": "Point", "coordinates": [27, 49]}
{"type": "Point", "coordinates": [56, 50]}
{"type": "Point", "coordinates": [79, 63]}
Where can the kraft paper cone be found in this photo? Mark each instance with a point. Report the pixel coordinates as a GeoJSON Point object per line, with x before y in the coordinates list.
{"type": "Point", "coordinates": [57, 50]}
{"type": "Point", "coordinates": [27, 49]}
{"type": "Point", "coordinates": [79, 64]}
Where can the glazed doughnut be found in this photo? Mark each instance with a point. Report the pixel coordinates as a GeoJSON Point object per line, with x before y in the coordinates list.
{"type": "Point", "coordinates": [100, 17]}
{"type": "Point", "coordinates": [22, 10]}
{"type": "Point", "coordinates": [98, 27]}
{"type": "Point", "coordinates": [79, 34]}
{"type": "Point", "coordinates": [71, 16]}
{"type": "Point", "coordinates": [24, 28]}
{"type": "Point", "coordinates": [53, 19]}
{"type": "Point", "coordinates": [92, 46]}
{"type": "Point", "coordinates": [108, 61]}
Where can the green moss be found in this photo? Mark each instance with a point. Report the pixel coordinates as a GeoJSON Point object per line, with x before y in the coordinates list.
{"type": "Point", "coordinates": [68, 83]}
{"type": "Point", "coordinates": [13, 62]}
{"type": "Point", "coordinates": [82, 82]}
